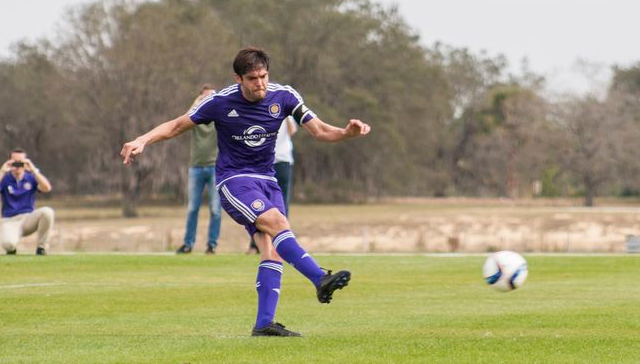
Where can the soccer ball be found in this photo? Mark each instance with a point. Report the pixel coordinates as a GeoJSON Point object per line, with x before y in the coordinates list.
{"type": "Point", "coordinates": [505, 270]}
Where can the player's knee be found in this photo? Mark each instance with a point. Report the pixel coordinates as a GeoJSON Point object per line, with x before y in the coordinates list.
{"type": "Point", "coordinates": [48, 213]}
{"type": "Point", "coordinates": [272, 222]}
{"type": "Point", "coordinates": [280, 222]}
{"type": "Point", "coordinates": [9, 245]}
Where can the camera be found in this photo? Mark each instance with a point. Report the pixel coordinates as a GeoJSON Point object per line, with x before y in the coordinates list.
{"type": "Point", "coordinates": [17, 164]}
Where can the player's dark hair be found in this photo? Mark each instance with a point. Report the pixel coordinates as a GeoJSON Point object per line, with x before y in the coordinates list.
{"type": "Point", "coordinates": [249, 59]}
{"type": "Point", "coordinates": [18, 150]}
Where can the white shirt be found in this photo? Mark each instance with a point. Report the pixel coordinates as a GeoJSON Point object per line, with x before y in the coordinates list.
{"type": "Point", "coordinates": [284, 145]}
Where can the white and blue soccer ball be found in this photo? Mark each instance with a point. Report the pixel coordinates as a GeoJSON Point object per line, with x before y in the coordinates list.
{"type": "Point", "coordinates": [505, 270]}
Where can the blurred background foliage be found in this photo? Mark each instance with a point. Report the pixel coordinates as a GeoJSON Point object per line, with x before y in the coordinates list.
{"type": "Point", "coordinates": [446, 122]}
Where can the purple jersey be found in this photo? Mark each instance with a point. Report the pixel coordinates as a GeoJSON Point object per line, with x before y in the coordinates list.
{"type": "Point", "coordinates": [18, 197]}
{"type": "Point", "coordinates": [246, 130]}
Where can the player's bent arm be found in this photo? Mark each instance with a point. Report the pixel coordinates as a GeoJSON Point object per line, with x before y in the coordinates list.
{"type": "Point", "coordinates": [164, 131]}
{"type": "Point", "coordinates": [329, 133]}
{"type": "Point", "coordinates": [43, 183]}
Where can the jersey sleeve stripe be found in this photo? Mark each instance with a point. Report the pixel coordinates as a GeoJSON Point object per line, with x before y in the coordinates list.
{"type": "Point", "coordinates": [295, 109]}
{"type": "Point", "coordinates": [294, 93]}
{"type": "Point", "coordinates": [225, 92]}
{"type": "Point", "coordinates": [309, 112]}
{"type": "Point", "coordinates": [291, 90]}
{"type": "Point", "coordinates": [204, 101]}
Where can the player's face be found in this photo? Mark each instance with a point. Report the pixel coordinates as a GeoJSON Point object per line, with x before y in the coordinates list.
{"type": "Point", "coordinates": [254, 84]}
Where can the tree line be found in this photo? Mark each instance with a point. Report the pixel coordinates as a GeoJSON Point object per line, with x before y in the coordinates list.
{"type": "Point", "coordinates": [446, 121]}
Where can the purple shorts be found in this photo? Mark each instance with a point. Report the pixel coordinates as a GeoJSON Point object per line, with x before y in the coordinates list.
{"type": "Point", "coordinates": [246, 198]}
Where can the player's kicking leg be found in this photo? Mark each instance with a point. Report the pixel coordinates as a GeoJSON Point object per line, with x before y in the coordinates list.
{"type": "Point", "coordinates": [288, 248]}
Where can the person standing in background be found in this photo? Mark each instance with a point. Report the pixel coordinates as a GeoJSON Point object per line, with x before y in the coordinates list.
{"type": "Point", "coordinates": [202, 173]}
{"type": "Point", "coordinates": [284, 159]}
{"type": "Point", "coordinates": [283, 166]}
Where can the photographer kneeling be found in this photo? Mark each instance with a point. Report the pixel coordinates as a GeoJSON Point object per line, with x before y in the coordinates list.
{"type": "Point", "coordinates": [20, 181]}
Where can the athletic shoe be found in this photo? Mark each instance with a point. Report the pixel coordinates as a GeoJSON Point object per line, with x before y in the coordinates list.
{"type": "Point", "coordinates": [13, 252]}
{"type": "Point", "coordinates": [210, 250]}
{"type": "Point", "coordinates": [41, 251]}
{"type": "Point", "coordinates": [273, 329]}
{"type": "Point", "coordinates": [184, 249]}
{"type": "Point", "coordinates": [331, 282]}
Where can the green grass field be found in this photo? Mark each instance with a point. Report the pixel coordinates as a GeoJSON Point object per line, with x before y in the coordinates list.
{"type": "Point", "coordinates": [397, 309]}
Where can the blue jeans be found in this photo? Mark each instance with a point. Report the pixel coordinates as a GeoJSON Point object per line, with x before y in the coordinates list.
{"type": "Point", "coordinates": [199, 177]}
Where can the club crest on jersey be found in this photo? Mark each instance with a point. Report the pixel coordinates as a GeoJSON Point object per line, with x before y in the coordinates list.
{"type": "Point", "coordinates": [254, 136]}
{"type": "Point", "coordinates": [257, 205]}
{"type": "Point", "coordinates": [27, 186]}
{"type": "Point", "coordinates": [274, 110]}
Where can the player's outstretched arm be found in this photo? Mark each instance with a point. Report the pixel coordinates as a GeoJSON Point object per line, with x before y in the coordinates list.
{"type": "Point", "coordinates": [329, 133]}
{"type": "Point", "coordinates": [164, 131]}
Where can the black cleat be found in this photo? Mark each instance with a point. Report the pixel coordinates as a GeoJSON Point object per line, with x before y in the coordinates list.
{"type": "Point", "coordinates": [12, 252]}
{"type": "Point", "coordinates": [331, 282]}
{"type": "Point", "coordinates": [41, 251]}
{"type": "Point", "coordinates": [210, 250]}
{"type": "Point", "coordinates": [274, 329]}
{"type": "Point", "coordinates": [184, 249]}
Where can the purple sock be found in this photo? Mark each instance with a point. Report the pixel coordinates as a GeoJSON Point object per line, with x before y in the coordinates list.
{"type": "Point", "coordinates": [268, 287]}
{"type": "Point", "coordinates": [289, 249]}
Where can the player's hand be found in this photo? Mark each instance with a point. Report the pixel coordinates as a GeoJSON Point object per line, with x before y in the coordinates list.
{"type": "Point", "coordinates": [131, 149]}
{"type": "Point", "coordinates": [357, 128]}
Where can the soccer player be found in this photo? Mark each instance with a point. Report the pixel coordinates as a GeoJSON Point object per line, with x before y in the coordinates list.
{"type": "Point", "coordinates": [247, 116]}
